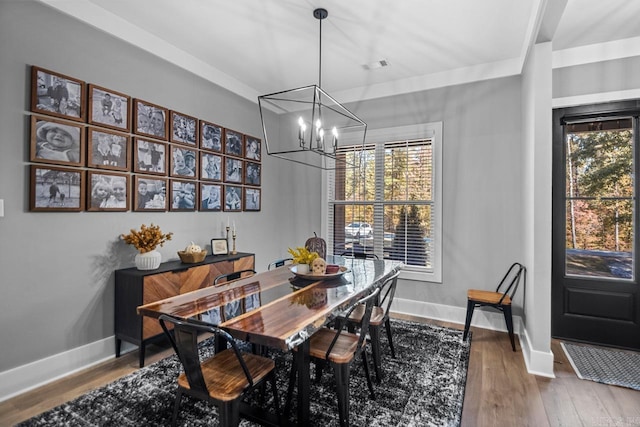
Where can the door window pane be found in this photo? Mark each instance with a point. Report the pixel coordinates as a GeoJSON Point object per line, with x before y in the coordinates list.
{"type": "Point", "coordinates": [600, 207]}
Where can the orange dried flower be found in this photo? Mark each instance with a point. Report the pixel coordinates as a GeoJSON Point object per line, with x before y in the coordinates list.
{"type": "Point", "coordinates": [147, 239]}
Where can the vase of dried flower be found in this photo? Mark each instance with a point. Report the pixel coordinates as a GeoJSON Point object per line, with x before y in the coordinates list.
{"type": "Point", "coordinates": [148, 260]}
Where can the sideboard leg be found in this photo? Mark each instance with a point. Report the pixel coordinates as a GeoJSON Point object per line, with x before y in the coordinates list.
{"type": "Point", "coordinates": [141, 352]}
{"type": "Point", "coordinates": [118, 346]}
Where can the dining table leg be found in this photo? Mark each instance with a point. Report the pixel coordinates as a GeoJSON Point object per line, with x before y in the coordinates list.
{"type": "Point", "coordinates": [303, 360]}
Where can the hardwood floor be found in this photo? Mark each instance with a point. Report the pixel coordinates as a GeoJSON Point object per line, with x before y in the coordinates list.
{"type": "Point", "coordinates": [499, 390]}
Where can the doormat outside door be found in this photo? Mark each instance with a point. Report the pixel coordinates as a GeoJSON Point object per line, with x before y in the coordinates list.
{"type": "Point", "coordinates": [606, 366]}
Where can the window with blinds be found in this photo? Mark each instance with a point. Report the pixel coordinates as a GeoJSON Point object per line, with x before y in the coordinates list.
{"type": "Point", "coordinates": [385, 207]}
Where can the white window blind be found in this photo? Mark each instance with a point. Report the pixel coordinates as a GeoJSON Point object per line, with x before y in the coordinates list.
{"type": "Point", "coordinates": [388, 206]}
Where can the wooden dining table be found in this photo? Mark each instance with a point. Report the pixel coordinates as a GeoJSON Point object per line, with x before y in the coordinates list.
{"type": "Point", "coordinates": [281, 310]}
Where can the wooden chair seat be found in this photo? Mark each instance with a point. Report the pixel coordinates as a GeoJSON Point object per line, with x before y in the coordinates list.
{"type": "Point", "coordinates": [224, 377]}
{"type": "Point", "coordinates": [343, 350]}
{"type": "Point", "coordinates": [488, 297]}
{"type": "Point", "coordinates": [377, 315]}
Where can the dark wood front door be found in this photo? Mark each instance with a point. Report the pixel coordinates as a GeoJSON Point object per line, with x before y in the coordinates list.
{"type": "Point", "coordinates": [595, 292]}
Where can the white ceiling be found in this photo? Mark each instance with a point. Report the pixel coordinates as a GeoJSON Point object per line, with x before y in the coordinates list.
{"type": "Point", "coordinates": [256, 47]}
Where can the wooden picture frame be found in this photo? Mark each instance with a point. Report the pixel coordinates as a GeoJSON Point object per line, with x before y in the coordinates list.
{"type": "Point", "coordinates": [149, 194]}
{"type": "Point", "coordinates": [184, 162]}
{"type": "Point", "coordinates": [252, 173]}
{"type": "Point", "coordinates": [109, 108]}
{"type": "Point", "coordinates": [184, 195]}
{"type": "Point", "coordinates": [107, 149]}
{"type": "Point", "coordinates": [232, 198]}
{"type": "Point", "coordinates": [210, 137]}
{"type": "Point", "coordinates": [107, 192]}
{"type": "Point", "coordinates": [252, 148]}
{"type": "Point", "coordinates": [233, 143]}
{"type": "Point", "coordinates": [56, 189]}
{"type": "Point", "coordinates": [150, 157]}
{"type": "Point", "coordinates": [233, 170]}
{"type": "Point", "coordinates": [56, 142]}
{"type": "Point", "coordinates": [252, 199]}
{"type": "Point", "coordinates": [57, 95]}
{"type": "Point", "coordinates": [219, 247]}
{"type": "Point", "coordinates": [210, 197]}
{"type": "Point", "coordinates": [184, 129]}
{"type": "Point", "coordinates": [150, 119]}
{"type": "Point", "coordinates": [210, 167]}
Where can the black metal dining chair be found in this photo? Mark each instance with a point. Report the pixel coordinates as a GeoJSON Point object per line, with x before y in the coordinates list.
{"type": "Point", "coordinates": [222, 379]}
{"type": "Point", "coordinates": [235, 275]}
{"type": "Point", "coordinates": [279, 263]}
{"type": "Point", "coordinates": [500, 300]}
{"type": "Point", "coordinates": [379, 318]}
{"type": "Point", "coordinates": [359, 255]}
{"type": "Point", "coordinates": [339, 348]}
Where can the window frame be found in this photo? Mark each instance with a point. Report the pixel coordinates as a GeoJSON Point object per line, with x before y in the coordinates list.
{"type": "Point", "coordinates": [431, 131]}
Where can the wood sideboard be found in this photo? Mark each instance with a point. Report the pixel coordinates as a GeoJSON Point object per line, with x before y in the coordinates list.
{"type": "Point", "coordinates": [138, 287]}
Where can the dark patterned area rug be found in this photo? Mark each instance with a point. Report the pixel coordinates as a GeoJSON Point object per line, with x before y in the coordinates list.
{"type": "Point", "coordinates": [423, 386]}
{"type": "Point", "coordinates": [602, 365]}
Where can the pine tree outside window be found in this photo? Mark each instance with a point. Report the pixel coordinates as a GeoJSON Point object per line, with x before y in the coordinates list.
{"type": "Point", "coordinates": [390, 204]}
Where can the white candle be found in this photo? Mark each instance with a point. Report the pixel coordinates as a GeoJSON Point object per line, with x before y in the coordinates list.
{"type": "Point", "coordinates": [227, 221]}
{"type": "Point", "coordinates": [234, 226]}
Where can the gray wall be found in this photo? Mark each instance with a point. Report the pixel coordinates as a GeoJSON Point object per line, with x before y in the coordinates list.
{"type": "Point", "coordinates": [599, 77]}
{"type": "Point", "coordinates": [482, 152]}
{"type": "Point", "coordinates": [57, 277]}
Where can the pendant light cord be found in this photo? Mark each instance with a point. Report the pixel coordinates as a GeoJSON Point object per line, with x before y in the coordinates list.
{"type": "Point", "coordinates": [320, 57]}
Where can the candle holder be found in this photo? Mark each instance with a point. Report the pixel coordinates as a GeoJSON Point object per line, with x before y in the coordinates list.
{"type": "Point", "coordinates": [228, 228]}
{"type": "Point", "coordinates": [233, 251]}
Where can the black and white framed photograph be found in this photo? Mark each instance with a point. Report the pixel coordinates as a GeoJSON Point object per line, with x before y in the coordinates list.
{"type": "Point", "coordinates": [108, 149]}
{"type": "Point", "coordinates": [150, 119]}
{"type": "Point", "coordinates": [210, 197]}
{"type": "Point", "coordinates": [57, 95]}
{"type": "Point", "coordinates": [107, 192]}
{"type": "Point", "coordinates": [57, 142]}
{"type": "Point", "coordinates": [184, 162]}
{"type": "Point", "coordinates": [252, 148]}
{"type": "Point", "coordinates": [150, 157]}
{"type": "Point", "coordinates": [109, 108]}
{"type": "Point", "coordinates": [150, 194]}
{"type": "Point", "coordinates": [232, 198]}
{"type": "Point", "coordinates": [56, 189]}
{"type": "Point", "coordinates": [184, 129]}
{"type": "Point", "coordinates": [232, 143]}
{"type": "Point", "coordinates": [251, 199]}
{"type": "Point", "coordinates": [219, 247]}
{"type": "Point", "coordinates": [184, 195]}
{"type": "Point", "coordinates": [210, 137]}
{"type": "Point", "coordinates": [252, 173]}
{"type": "Point", "coordinates": [210, 167]}
{"type": "Point", "coordinates": [232, 170]}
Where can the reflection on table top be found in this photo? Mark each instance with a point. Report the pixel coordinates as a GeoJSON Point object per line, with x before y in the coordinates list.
{"type": "Point", "coordinates": [289, 309]}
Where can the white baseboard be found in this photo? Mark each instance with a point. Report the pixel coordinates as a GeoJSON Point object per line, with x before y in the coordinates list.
{"type": "Point", "coordinates": [537, 362]}
{"type": "Point", "coordinates": [35, 374]}
{"type": "Point", "coordinates": [484, 319]}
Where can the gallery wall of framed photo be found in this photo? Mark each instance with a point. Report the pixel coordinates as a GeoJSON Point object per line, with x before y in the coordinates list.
{"type": "Point", "coordinates": [99, 150]}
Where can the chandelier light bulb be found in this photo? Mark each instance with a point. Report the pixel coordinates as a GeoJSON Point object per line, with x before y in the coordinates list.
{"type": "Point", "coordinates": [302, 127]}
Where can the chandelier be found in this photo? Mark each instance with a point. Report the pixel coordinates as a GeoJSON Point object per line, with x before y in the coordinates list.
{"type": "Point", "coordinates": [310, 125]}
